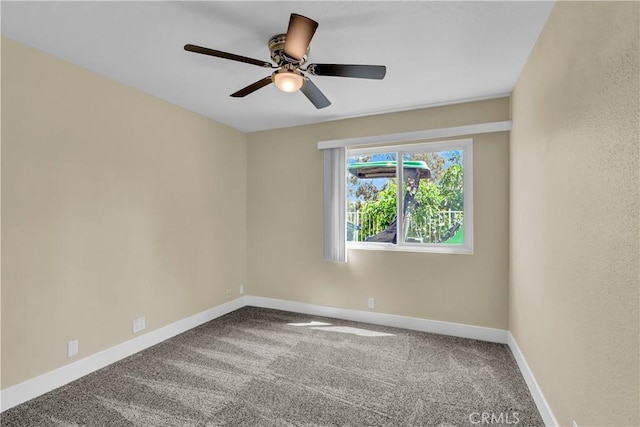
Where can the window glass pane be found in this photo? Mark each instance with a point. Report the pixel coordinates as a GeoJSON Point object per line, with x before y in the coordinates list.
{"type": "Point", "coordinates": [371, 197]}
{"type": "Point", "coordinates": [434, 206]}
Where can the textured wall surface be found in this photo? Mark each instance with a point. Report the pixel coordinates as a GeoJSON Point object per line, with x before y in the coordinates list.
{"type": "Point", "coordinates": [574, 285]}
{"type": "Point", "coordinates": [285, 226]}
{"type": "Point", "coordinates": [115, 205]}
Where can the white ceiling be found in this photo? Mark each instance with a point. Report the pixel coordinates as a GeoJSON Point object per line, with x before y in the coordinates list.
{"type": "Point", "coordinates": [435, 52]}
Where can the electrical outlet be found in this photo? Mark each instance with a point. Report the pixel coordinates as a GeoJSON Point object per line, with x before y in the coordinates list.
{"type": "Point", "coordinates": [241, 289]}
{"type": "Point", "coordinates": [139, 324]}
{"type": "Point", "coordinates": [228, 293]}
{"type": "Point", "coordinates": [72, 348]}
{"type": "Point", "coordinates": [372, 302]}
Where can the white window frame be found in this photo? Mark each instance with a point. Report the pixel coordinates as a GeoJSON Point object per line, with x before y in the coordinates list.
{"type": "Point", "coordinates": [466, 146]}
{"type": "Point", "coordinates": [393, 139]}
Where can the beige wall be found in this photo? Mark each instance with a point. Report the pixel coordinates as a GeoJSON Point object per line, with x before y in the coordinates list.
{"type": "Point", "coordinates": [115, 205]}
{"type": "Point", "coordinates": [574, 285]}
{"type": "Point", "coordinates": [285, 226]}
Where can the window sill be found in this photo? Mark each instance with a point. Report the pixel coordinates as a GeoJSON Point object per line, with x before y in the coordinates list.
{"type": "Point", "coordinates": [407, 247]}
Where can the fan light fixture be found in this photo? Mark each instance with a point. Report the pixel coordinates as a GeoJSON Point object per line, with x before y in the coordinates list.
{"type": "Point", "coordinates": [288, 80]}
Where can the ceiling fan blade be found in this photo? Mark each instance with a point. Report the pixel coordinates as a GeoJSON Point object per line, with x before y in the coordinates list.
{"type": "Point", "coordinates": [252, 87]}
{"type": "Point", "coordinates": [316, 97]}
{"type": "Point", "coordinates": [225, 55]}
{"type": "Point", "coordinates": [342, 70]}
{"type": "Point", "coordinates": [299, 34]}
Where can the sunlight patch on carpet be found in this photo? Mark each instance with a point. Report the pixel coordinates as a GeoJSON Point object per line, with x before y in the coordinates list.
{"type": "Point", "coordinates": [313, 323]}
{"type": "Point", "coordinates": [354, 331]}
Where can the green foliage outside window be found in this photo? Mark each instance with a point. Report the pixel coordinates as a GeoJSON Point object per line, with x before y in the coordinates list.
{"type": "Point", "coordinates": [430, 220]}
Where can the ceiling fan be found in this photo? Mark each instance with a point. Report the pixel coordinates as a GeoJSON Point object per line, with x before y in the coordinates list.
{"type": "Point", "coordinates": [290, 52]}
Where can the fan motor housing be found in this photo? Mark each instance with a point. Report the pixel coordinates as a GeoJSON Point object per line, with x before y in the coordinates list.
{"type": "Point", "coordinates": [276, 48]}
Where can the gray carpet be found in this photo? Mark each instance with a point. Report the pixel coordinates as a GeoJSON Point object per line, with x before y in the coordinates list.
{"type": "Point", "coordinates": [253, 368]}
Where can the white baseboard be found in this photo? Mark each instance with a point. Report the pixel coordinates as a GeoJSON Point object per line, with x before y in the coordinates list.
{"type": "Point", "coordinates": [414, 323]}
{"type": "Point", "coordinates": [534, 389]}
{"type": "Point", "coordinates": [44, 383]}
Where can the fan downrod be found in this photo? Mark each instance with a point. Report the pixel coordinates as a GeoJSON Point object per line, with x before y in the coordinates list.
{"type": "Point", "coordinates": [276, 48]}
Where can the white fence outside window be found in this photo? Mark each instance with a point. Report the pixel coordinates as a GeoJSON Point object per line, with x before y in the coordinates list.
{"type": "Point", "coordinates": [433, 230]}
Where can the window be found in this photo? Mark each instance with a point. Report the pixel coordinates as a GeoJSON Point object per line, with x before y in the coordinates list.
{"type": "Point", "coordinates": [414, 197]}
{"type": "Point", "coordinates": [340, 232]}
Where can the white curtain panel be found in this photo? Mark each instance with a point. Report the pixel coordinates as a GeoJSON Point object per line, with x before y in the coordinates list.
{"type": "Point", "coordinates": [334, 207]}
